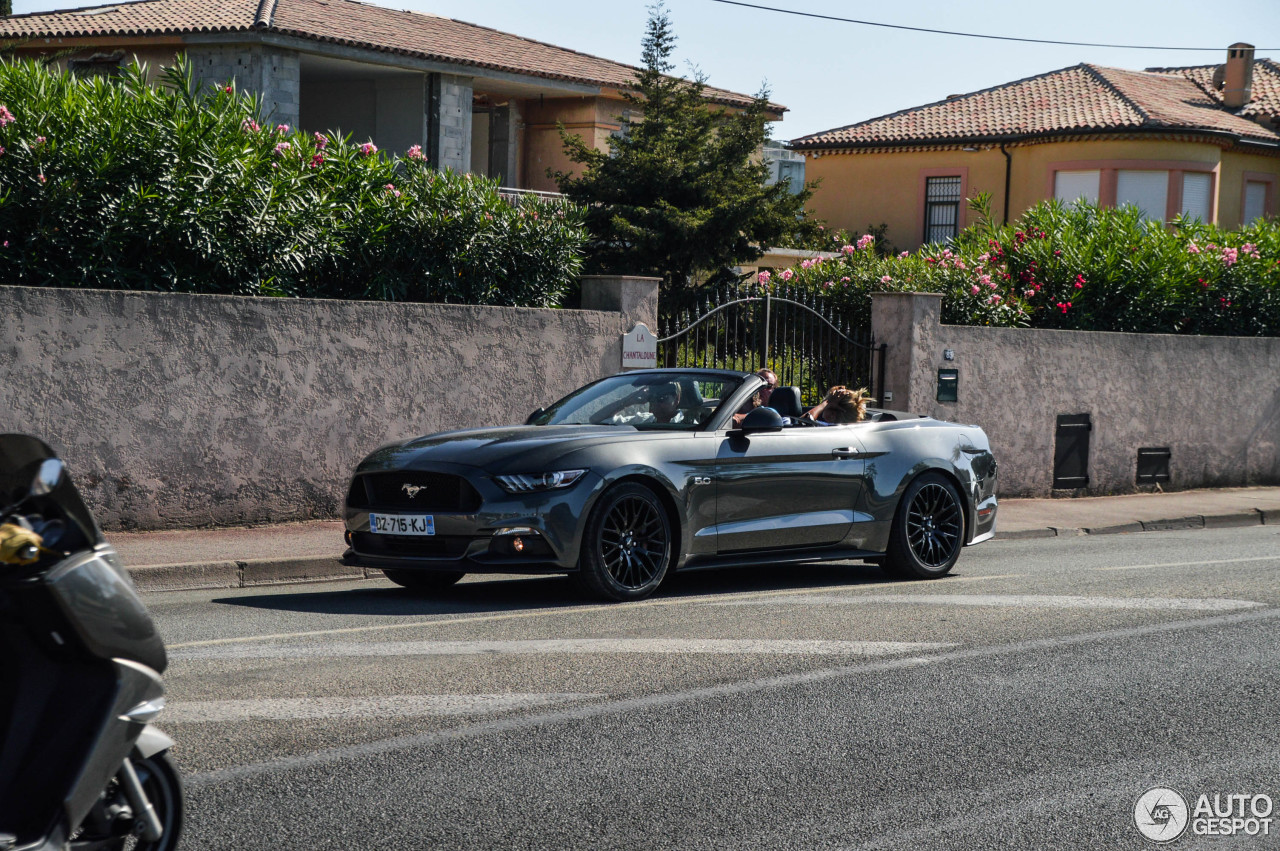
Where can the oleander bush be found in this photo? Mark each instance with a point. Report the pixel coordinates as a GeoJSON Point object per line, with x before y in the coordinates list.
{"type": "Point", "coordinates": [1073, 267]}
{"type": "Point", "coordinates": [122, 184]}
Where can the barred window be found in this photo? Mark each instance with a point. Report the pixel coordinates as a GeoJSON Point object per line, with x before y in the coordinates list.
{"type": "Point", "coordinates": [941, 208]}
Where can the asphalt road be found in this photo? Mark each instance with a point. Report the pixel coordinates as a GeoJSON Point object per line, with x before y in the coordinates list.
{"type": "Point", "coordinates": [1027, 701]}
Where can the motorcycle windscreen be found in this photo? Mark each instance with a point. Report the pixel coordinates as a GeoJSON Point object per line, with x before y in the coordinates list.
{"type": "Point", "coordinates": [20, 458]}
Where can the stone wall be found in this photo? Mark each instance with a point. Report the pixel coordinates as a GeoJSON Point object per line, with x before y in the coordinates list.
{"type": "Point", "coordinates": [177, 410]}
{"type": "Point", "coordinates": [1213, 401]}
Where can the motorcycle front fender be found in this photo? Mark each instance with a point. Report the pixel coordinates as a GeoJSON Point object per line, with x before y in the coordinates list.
{"type": "Point", "coordinates": [152, 741]}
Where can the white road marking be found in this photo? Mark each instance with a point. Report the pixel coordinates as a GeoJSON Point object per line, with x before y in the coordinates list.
{"type": "Point", "coordinates": [559, 645]}
{"type": "Point", "coordinates": [1186, 563]}
{"type": "Point", "coordinates": [241, 773]}
{"type": "Point", "coordinates": [359, 708]}
{"type": "Point", "coordinates": [1021, 601]}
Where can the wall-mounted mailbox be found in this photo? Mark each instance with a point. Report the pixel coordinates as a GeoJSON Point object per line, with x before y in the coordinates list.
{"type": "Point", "coordinates": [1071, 451]}
{"type": "Point", "coordinates": [1153, 464]}
{"type": "Point", "coordinates": [948, 385]}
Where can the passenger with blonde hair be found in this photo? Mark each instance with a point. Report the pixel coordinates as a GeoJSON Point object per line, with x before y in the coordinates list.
{"type": "Point", "coordinates": [841, 405]}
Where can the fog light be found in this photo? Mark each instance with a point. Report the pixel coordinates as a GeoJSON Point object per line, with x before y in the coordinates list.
{"type": "Point", "coordinates": [517, 544]}
{"type": "Point", "coordinates": [346, 536]}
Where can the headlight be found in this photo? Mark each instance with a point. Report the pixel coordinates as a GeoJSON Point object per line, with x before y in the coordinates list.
{"type": "Point", "coordinates": [530, 482]}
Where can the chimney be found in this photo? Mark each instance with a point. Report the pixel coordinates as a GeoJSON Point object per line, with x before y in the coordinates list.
{"type": "Point", "coordinates": [1237, 81]}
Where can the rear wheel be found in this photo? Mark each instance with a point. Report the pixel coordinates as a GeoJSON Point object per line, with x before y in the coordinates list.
{"type": "Point", "coordinates": [628, 546]}
{"type": "Point", "coordinates": [425, 580]}
{"type": "Point", "coordinates": [928, 530]}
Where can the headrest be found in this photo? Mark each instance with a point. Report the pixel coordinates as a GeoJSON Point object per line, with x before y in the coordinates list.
{"type": "Point", "coordinates": [786, 401]}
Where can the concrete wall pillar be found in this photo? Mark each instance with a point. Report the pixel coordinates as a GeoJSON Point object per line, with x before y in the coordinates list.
{"type": "Point", "coordinates": [271, 72]}
{"type": "Point", "coordinates": [634, 298]}
{"type": "Point", "coordinates": [908, 323]}
{"type": "Point", "coordinates": [448, 122]}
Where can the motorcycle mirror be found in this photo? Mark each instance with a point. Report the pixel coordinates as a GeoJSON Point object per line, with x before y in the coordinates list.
{"type": "Point", "coordinates": [48, 477]}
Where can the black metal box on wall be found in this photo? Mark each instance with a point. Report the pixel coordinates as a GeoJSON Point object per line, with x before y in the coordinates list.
{"type": "Point", "coordinates": [1153, 464]}
{"type": "Point", "coordinates": [948, 385]}
{"type": "Point", "coordinates": [1071, 451]}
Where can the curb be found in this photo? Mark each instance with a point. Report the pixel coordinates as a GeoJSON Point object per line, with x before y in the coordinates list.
{"type": "Point", "coordinates": [250, 573]}
{"type": "Point", "coordinates": [1253, 517]}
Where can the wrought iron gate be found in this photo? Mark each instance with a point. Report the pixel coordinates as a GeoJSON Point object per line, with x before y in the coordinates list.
{"type": "Point", "coordinates": [795, 334]}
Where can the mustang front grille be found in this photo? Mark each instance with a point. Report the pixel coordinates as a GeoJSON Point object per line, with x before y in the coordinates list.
{"type": "Point", "coordinates": [413, 491]}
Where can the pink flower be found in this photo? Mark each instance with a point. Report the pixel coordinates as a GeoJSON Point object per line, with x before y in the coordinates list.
{"type": "Point", "coordinates": [415, 153]}
{"type": "Point", "coordinates": [985, 280]}
{"type": "Point", "coordinates": [787, 274]}
{"type": "Point", "coordinates": [6, 117]}
{"type": "Point", "coordinates": [826, 285]}
{"type": "Point", "coordinates": [960, 264]}
{"type": "Point", "coordinates": [322, 141]}
{"type": "Point", "coordinates": [995, 299]}
{"type": "Point", "coordinates": [848, 249]}
{"type": "Point", "coordinates": [1250, 249]}
{"type": "Point", "coordinates": [40, 140]}
{"type": "Point", "coordinates": [975, 289]}
{"type": "Point", "coordinates": [904, 255]}
{"type": "Point", "coordinates": [1192, 248]}
{"type": "Point", "coordinates": [1080, 282]}
{"type": "Point", "coordinates": [1, 151]}
{"type": "Point", "coordinates": [391, 190]}
{"type": "Point", "coordinates": [885, 279]}
{"type": "Point", "coordinates": [6, 243]}
{"type": "Point", "coordinates": [1230, 256]}
{"type": "Point", "coordinates": [368, 149]}
{"type": "Point", "coordinates": [282, 128]}
{"type": "Point", "coordinates": [282, 149]}
{"type": "Point", "coordinates": [764, 276]}
{"type": "Point", "coordinates": [805, 264]}
{"type": "Point", "coordinates": [227, 89]}
{"type": "Point", "coordinates": [845, 279]}
{"type": "Point", "coordinates": [1028, 293]}
{"type": "Point", "coordinates": [866, 240]}
{"type": "Point", "coordinates": [249, 126]}
{"type": "Point", "coordinates": [41, 176]}
{"type": "Point", "coordinates": [317, 160]}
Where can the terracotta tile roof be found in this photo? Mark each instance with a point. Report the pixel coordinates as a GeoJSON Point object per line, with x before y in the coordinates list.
{"type": "Point", "coordinates": [1266, 85]}
{"type": "Point", "coordinates": [345, 22]}
{"type": "Point", "coordinates": [1078, 99]}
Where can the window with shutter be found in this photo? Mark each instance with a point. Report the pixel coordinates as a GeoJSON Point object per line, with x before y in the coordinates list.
{"type": "Point", "coordinates": [1146, 190]}
{"type": "Point", "coordinates": [941, 208]}
{"type": "Point", "coordinates": [1255, 200]}
{"type": "Point", "coordinates": [1072, 186]}
{"type": "Point", "coordinates": [1197, 195]}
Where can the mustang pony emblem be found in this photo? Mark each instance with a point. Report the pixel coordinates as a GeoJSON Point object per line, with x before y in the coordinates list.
{"type": "Point", "coordinates": [411, 490]}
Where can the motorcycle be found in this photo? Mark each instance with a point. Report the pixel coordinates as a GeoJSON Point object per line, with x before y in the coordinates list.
{"type": "Point", "coordinates": [81, 766]}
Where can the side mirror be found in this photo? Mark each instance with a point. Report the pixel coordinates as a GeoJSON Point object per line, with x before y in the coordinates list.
{"type": "Point", "coordinates": [529, 419]}
{"type": "Point", "coordinates": [48, 477]}
{"type": "Point", "coordinates": [763, 418]}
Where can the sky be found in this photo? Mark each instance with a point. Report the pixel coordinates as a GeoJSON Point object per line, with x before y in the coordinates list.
{"type": "Point", "coordinates": [831, 74]}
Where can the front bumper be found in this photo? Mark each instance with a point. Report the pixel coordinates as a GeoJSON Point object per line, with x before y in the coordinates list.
{"type": "Point", "coordinates": [469, 541]}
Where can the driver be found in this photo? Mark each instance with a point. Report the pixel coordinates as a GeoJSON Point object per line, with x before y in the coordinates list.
{"type": "Point", "coordinates": [664, 406]}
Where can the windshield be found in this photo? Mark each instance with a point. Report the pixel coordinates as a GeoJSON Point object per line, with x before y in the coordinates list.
{"type": "Point", "coordinates": [672, 400]}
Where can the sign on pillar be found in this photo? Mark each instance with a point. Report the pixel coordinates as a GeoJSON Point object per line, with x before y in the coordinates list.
{"type": "Point", "coordinates": [639, 348]}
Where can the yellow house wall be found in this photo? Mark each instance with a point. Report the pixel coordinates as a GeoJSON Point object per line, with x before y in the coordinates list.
{"type": "Point", "coordinates": [858, 190]}
{"type": "Point", "coordinates": [1231, 183]}
{"type": "Point", "coordinates": [591, 118]}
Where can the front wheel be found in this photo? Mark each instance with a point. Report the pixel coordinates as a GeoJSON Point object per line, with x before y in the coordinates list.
{"type": "Point", "coordinates": [928, 530]}
{"type": "Point", "coordinates": [627, 546]}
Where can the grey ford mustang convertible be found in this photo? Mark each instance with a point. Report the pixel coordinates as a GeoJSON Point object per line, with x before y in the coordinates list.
{"type": "Point", "coordinates": [646, 472]}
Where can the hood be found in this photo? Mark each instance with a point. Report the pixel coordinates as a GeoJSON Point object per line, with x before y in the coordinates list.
{"type": "Point", "coordinates": [505, 449]}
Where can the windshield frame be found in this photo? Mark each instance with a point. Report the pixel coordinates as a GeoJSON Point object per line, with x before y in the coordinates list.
{"type": "Point", "coordinates": [734, 380]}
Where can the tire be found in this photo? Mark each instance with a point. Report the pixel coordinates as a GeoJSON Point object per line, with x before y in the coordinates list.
{"type": "Point", "coordinates": [928, 530]}
{"type": "Point", "coordinates": [627, 546]}
{"type": "Point", "coordinates": [163, 785]}
{"type": "Point", "coordinates": [425, 580]}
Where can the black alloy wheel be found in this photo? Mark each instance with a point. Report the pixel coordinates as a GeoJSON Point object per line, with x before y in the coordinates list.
{"type": "Point", "coordinates": [928, 530]}
{"type": "Point", "coordinates": [627, 547]}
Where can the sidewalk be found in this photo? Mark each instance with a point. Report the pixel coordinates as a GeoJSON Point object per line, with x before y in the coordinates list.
{"type": "Point", "coordinates": [311, 552]}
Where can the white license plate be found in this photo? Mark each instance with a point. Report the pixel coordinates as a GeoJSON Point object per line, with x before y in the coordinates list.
{"type": "Point", "coordinates": [402, 524]}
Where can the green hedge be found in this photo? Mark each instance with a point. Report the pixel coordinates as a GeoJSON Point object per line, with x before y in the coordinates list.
{"type": "Point", "coordinates": [1076, 267]}
{"type": "Point", "coordinates": [120, 184]}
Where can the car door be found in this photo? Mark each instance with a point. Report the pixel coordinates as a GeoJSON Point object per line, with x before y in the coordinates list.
{"type": "Point", "coordinates": [798, 487]}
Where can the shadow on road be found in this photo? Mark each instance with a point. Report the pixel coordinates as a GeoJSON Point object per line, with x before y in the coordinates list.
{"type": "Point", "coordinates": [482, 594]}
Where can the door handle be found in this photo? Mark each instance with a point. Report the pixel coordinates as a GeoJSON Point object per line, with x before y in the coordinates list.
{"type": "Point", "coordinates": [845, 452]}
